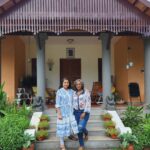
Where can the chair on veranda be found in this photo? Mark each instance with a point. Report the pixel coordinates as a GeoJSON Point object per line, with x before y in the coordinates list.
{"type": "Point", "coordinates": [95, 90]}
{"type": "Point", "coordinates": [134, 91]}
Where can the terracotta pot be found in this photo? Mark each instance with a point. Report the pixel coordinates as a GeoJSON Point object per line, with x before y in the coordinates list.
{"type": "Point", "coordinates": [130, 147]}
{"type": "Point", "coordinates": [41, 138]}
{"type": "Point", "coordinates": [42, 128]}
{"type": "Point", "coordinates": [114, 136]}
{"type": "Point", "coordinates": [43, 120]}
{"type": "Point", "coordinates": [111, 127]}
{"type": "Point", "coordinates": [30, 148]}
{"type": "Point", "coordinates": [106, 119]}
{"type": "Point", "coordinates": [121, 102]}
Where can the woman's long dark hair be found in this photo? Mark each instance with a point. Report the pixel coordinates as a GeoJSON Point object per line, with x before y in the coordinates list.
{"type": "Point", "coordinates": [61, 83]}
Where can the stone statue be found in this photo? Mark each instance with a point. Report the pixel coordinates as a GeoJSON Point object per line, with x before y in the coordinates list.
{"type": "Point", "coordinates": [110, 103]}
{"type": "Point", "coordinates": [38, 103]}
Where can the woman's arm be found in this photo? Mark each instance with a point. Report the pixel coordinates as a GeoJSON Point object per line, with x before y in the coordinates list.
{"type": "Point", "coordinates": [87, 108]}
{"type": "Point", "coordinates": [59, 116]}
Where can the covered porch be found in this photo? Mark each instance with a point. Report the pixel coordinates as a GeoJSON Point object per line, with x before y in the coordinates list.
{"type": "Point", "coordinates": [105, 35]}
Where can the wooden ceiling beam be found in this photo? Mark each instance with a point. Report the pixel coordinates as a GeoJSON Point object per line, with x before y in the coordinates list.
{"type": "Point", "coordinates": [135, 2]}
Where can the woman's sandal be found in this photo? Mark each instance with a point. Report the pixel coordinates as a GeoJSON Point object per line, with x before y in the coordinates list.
{"type": "Point", "coordinates": [62, 147]}
{"type": "Point", "coordinates": [72, 137]}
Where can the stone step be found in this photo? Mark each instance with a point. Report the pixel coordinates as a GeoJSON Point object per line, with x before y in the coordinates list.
{"type": "Point", "coordinates": [52, 111]}
{"type": "Point", "coordinates": [92, 117]}
{"type": "Point", "coordinates": [90, 124]}
{"type": "Point", "coordinates": [97, 131]}
{"type": "Point", "coordinates": [93, 142]}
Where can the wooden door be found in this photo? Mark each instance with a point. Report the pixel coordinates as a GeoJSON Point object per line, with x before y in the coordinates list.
{"type": "Point", "coordinates": [100, 70]}
{"type": "Point", "coordinates": [70, 68]}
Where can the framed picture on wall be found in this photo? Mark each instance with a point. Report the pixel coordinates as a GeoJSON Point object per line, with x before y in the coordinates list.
{"type": "Point", "coordinates": [70, 52]}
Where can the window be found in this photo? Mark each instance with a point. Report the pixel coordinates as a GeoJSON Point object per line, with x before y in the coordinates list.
{"type": "Point", "coordinates": [70, 52]}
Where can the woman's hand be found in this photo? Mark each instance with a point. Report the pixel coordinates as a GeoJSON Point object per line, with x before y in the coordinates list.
{"type": "Point", "coordinates": [59, 116]}
{"type": "Point", "coordinates": [82, 116]}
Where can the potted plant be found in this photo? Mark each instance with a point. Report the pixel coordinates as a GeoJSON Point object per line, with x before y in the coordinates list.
{"type": "Point", "coordinates": [113, 133]}
{"type": "Point", "coordinates": [109, 124]}
{"type": "Point", "coordinates": [44, 118]}
{"type": "Point", "coordinates": [41, 135]}
{"type": "Point", "coordinates": [106, 117]}
{"type": "Point", "coordinates": [133, 116]}
{"type": "Point", "coordinates": [44, 125]}
{"type": "Point", "coordinates": [128, 140]}
{"type": "Point", "coordinates": [28, 142]}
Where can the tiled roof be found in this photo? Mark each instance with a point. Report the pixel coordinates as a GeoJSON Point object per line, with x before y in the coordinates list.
{"type": "Point", "coordinates": [7, 4]}
{"type": "Point", "coordinates": [142, 5]}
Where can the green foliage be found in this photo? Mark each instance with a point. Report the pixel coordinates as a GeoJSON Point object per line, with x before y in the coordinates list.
{"type": "Point", "coordinates": [12, 108]}
{"type": "Point", "coordinates": [106, 115]}
{"type": "Point", "coordinates": [112, 131]}
{"type": "Point", "coordinates": [133, 116]}
{"type": "Point", "coordinates": [13, 122]}
{"type": "Point", "coordinates": [42, 133]}
{"type": "Point", "coordinates": [43, 124]}
{"type": "Point", "coordinates": [3, 97]}
{"type": "Point", "coordinates": [116, 95]}
{"type": "Point", "coordinates": [128, 138]}
{"type": "Point", "coordinates": [45, 117]}
{"type": "Point", "coordinates": [28, 139]}
{"type": "Point", "coordinates": [140, 126]}
{"type": "Point", "coordinates": [12, 128]}
{"type": "Point", "coordinates": [108, 124]}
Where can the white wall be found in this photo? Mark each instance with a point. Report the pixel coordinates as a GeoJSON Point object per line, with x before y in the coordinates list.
{"type": "Point", "coordinates": [86, 48]}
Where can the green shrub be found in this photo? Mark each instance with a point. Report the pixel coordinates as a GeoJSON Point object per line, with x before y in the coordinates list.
{"type": "Point", "coordinates": [133, 116]}
{"type": "Point", "coordinates": [28, 139]}
{"type": "Point", "coordinates": [128, 138]}
{"type": "Point", "coordinates": [112, 132]}
{"type": "Point", "coordinates": [12, 128]}
{"type": "Point", "coordinates": [108, 124]}
{"type": "Point", "coordinates": [44, 125]}
{"type": "Point", "coordinates": [41, 134]}
{"type": "Point", "coordinates": [143, 134]}
{"type": "Point", "coordinates": [3, 97]}
{"type": "Point", "coordinates": [45, 117]}
{"type": "Point", "coordinates": [106, 116]}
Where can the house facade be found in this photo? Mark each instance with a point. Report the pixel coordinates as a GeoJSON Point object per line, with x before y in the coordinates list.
{"type": "Point", "coordinates": [89, 39]}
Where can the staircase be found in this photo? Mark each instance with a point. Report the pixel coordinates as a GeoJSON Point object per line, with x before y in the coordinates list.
{"type": "Point", "coordinates": [97, 138]}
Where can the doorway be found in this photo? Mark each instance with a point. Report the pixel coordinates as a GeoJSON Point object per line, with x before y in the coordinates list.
{"type": "Point", "coordinates": [70, 68]}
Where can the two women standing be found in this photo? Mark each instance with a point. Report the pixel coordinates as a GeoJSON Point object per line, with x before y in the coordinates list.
{"type": "Point", "coordinates": [73, 109]}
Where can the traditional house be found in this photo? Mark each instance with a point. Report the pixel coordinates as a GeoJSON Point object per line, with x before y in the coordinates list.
{"type": "Point", "coordinates": [96, 40]}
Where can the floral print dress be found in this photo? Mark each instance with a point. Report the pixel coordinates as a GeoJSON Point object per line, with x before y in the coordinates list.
{"type": "Point", "coordinates": [83, 101]}
{"type": "Point", "coordinates": [67, 125]}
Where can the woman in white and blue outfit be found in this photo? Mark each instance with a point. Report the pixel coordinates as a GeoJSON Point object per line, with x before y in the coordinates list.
{"type": "Point", "coordinates": [82, 108]}
{"type": "Point", "coordinates": [66, 123]}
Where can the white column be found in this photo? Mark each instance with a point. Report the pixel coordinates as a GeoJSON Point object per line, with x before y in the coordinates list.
{"type": "Point", "coordinates": [106, 66]}
{"type": "Point", "coordinates": [147, 70]}
{"type": "Point", "coordinates": [40, 39]}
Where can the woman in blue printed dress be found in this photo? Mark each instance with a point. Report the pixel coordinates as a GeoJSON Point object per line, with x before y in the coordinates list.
{"type": "Point", "coordinates": [82, 108]}
{"type": "Point", "coordinates": [66, 123]}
